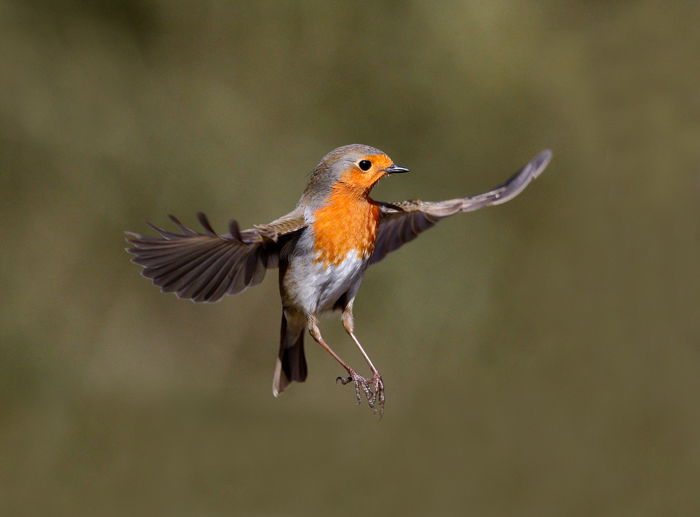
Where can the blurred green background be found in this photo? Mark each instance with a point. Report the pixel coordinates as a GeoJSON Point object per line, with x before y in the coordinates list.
{"type": "Point", "coordinates": [541, 358]}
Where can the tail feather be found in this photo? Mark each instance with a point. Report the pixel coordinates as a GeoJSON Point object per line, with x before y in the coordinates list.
{"type": "Point", "coordinates": [291, 362]}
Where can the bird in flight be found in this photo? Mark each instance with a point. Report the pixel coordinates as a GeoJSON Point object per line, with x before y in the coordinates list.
{"type": "Point", "coordinates": [321, 248]}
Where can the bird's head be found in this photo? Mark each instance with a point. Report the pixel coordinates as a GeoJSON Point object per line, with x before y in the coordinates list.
{"type": "Point", "coordinates": [355, 167]}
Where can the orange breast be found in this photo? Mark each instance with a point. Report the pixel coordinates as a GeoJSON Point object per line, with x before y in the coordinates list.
{"type": "Point", "coordinates": [348, 222]}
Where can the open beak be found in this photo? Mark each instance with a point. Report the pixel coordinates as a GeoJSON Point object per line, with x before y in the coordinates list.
{"type": "Point", "coordinates": [393, 169]}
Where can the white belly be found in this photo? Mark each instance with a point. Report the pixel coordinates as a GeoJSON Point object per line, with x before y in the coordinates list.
{"type": "Point", "coordinates": [314, 287]}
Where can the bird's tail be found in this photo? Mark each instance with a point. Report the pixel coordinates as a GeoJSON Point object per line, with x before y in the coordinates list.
{"type": "Point", "coordinates": [291, 363]}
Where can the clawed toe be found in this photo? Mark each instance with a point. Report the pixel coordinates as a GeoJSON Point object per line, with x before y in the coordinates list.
{"type": "Point", "coordinates": [373, 390]}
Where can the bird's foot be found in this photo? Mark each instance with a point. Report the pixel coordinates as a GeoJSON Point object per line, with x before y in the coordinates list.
{"type": "Point", "coordinates": [373, 389]}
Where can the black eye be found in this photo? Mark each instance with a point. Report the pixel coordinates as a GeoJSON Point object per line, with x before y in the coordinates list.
{"type": "Point", "coordinates": [365, 165]}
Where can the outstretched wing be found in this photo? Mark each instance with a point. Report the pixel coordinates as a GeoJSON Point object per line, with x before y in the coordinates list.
{"type": "Point", "coordinates": [404, 221]}
{"type": "Point", "coordinates": [204, 267]}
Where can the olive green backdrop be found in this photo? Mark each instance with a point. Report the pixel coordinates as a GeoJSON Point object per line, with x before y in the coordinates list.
{"type": "Point", "coordinates": [541, 358]}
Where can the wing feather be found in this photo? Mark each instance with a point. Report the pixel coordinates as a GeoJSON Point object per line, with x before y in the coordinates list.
{"type": "Point", "coordinates": [203, 266]}
{"type": "Point", "coordinates": [403, 221]}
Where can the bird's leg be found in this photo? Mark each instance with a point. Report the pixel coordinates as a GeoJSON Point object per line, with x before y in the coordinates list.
{"type": "Point", "coordinates": [359, 382]}
{"type": "Point", "coordinates": [376, 383]}
{"type": "Point", "coordinates": [349, 325]}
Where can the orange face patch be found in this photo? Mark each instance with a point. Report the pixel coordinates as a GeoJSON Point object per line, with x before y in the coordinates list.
{"type": "Point", "coordinates": [349, 220]}
{"type": "Point", "coordinates": [365, 180]}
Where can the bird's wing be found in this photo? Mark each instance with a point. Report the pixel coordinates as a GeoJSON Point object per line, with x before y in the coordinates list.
{"type": "Point", "coordinates": [404, 221]}
{"type": "Point", "coordinates": [205, 266]}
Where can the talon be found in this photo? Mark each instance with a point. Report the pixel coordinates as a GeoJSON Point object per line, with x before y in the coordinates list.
{"type": "Point", "coordinates": [373, 390]}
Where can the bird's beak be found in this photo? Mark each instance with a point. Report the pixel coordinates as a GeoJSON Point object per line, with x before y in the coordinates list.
{"type": "Point", "coordinates": [393, 169]}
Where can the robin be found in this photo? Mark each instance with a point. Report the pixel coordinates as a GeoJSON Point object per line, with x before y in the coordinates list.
{"type": "Point", "coordinates": [322, 249]}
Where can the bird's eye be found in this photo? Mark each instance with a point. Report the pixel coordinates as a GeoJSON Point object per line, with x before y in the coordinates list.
{"type": "Point", "coordinates": [365, 165]}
